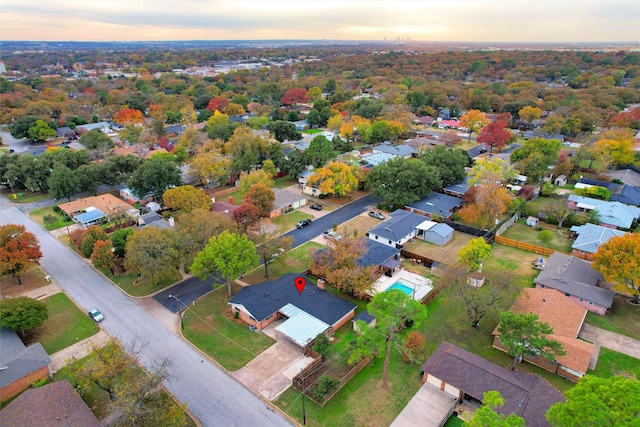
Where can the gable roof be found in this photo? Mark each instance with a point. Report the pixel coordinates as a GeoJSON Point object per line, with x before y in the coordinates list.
{"type": "Point", "coordinates": [437, 204]}
{"type": "Point", "coordinates": [400, 224]}
{"type": "Point", "coordinates": [377, 254]}
{"type": "Point", "coordinates": [628, 176]}
{"type": "Point", "coordinates": [574, 276]}
{"type": "Point", "coordinates": [18, 360]}
{"type": "Point", "coordinates": [441, 229]}
{"type": "Point", "coordinates": [526, 395]}
{"type": "Point", "coordinates": [628, 195]}
{"type": "Point", "coordinates": [402, 150]}
{"type": "Point", "coordinates": [266, 298]}
{"type": "Point", "coordinates": [459, 187]}
{"type": "Point", "coordinates": [372, 159]}
{"type": "Point", "coordinates": [55, 404]}
{"type": "Point", "coordinates": [591, 237]}
{"type": "Point", "coordinates": [564, 316]}
{"type": "Point", "coordinates": [613, 213]}
{"type": "Point", "coordinates": [285, 198]}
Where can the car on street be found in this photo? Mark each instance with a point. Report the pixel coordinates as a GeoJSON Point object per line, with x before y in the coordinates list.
{"type": "Point", "coordinates": [95, 315]}
{"type": "Point", "coordinates": [483, 149]}
{"type": "Point", "coordinates": [303, 223]}
{"type": "Point", "coordinates": [316, 207]}
{"type": "Point", "coordinates": [330, 234]}
{"type": "Point", "coordinates": [377, 215]}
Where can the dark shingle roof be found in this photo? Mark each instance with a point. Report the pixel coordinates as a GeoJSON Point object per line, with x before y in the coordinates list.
{"type": "Point", "coordinates": [575, 276]}
{"type": "Point", "coordinates": [365, 316]}
{"type": "Point", "coordinates": [19, 361]}
{"type": "Point", "coordinates": [526, 395]}
{"type": "Point", "coordinates": [459, 187]}
{"type": "Point", "coordinates": [55, 404]}
{"type": "Point", "coordinates": [399, 225]}
{"type": "Point", "coordinates": [377, 254]}
{"type": "Point", "coordinates": [266, 298]}
{"type": "Point", "coordinates": [437, 204]}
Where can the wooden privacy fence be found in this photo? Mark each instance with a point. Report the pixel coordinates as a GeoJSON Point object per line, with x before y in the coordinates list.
{"type": "Point", "coordinates": [527, 246]}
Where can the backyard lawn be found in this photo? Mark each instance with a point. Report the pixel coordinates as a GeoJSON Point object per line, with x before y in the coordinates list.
{"type": "Point", "coordinates": [623, 318]}
{"type": "Point", "coordinates": [210, 326]}
{"type": "Point", "coordinates": [65, 326]}
{"type": "Point", "coordinates": [523, 233]}
{"type": "Point", "coordinates": [284, 182]}
{"type": "Point", "coordinates": [446, 254]}
{"type": "Point", "coordinates": [611, 363]}
{"type": "Point", "coordinates": [295, 261]}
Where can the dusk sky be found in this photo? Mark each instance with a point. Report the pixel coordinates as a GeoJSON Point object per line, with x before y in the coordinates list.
{"type": "Point", "coordinates": [436, 20]}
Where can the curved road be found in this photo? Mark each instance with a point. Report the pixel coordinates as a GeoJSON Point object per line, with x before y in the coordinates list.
{"type": "Point", "coordinates": [211, 395]}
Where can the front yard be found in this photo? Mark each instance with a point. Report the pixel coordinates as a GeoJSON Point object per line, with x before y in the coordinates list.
{"type": "Point", "coordinates": [65, 326]}
{"type": "Point", "coordinates": [288, 221]}
{"type": "Point", "coordinates": [132, 285]}
{"type": "Point", "coordinates": [39, 214]}
{"type": "Point", "coordinates": [295, 261]}
{"type": "Point", "coordinates": [210, 326]}
{"type": "Point", "coordinates": [33, 278]}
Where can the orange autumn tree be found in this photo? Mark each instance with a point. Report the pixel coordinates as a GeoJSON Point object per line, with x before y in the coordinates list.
{"type": "Point", "coordinates": [488, 203]}
{"type": "Point", "coordinates": [128, 116]}
{"type": "Point", "coordinates": [474, 121]}
{"type": "Point", "coordinates": [335, 178]}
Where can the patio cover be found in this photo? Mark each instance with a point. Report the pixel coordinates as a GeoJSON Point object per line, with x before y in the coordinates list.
{"type": "Point", "coordinates": [300, 327]}
{"type": "Point", "coordinates": [426, 225]}
{"type": "Point", "coordinates": [391, 263]}
{"type": "Point", "coordinates": [582, 205]}
{"type": "Point", "coordinates": [90, 216]}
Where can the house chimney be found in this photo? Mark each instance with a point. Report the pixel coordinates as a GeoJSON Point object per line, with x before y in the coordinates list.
{"type": "Point", "coordinates": [321, 284]}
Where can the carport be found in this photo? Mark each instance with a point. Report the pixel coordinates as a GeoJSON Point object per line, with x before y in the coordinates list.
{"type": "Point", "coordinates": [300, 327]}
{"type": "Point", "coordinates": [430, 407]}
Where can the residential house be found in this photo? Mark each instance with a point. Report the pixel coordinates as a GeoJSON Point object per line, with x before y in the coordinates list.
{"type": "Point", "coordinates": [398, 229]}
{"type": "Point", "coordinates": [627, 176]}
{"type": "Point", "coordinates": [402, 150]}
{"type": "Point", "coordinates": [153, 219]}
{"type": "Point", "coordinates": [590, 238]}
{"type": "Point", "coordinates": [94, 209]}
{"type": "Point", "coordinates": [435, 232]}
{"type": "Point", "coordinates": [174, 130]}
{"type": "Point", "coordinates": [307, 313]}
{"type": "Point", "coordinates": [437, 205]}
{"type": "Point", "coordinates": [56, 404]}
{"type": "Point", "coordinates": [286, 201]}
{"type": "Point", "coordinates": [613, 214]}
{"type": "Point", "coordinates": [371, 160]}
{"type": "Point", "coordinates": [577, 280]}
{"type": "Point", "coordinates": [75, 146]}
{"type": "Point", "coordinates": [622, 193]}
{"type": "Point", "coordinates": [103, 127]}
{"type": "Point", "coordinates": [301, 124]}
{"type": "Point", "coordinates": [66, 132]}
{"type": "Point", "coordinates": [381, 256]}
{"type": "Point", "coordinates": [188, 177]}
{"type": "Point", "coordinates": [464, 376]}
{"type": "Point", "coordinates": [449, 124]}
{"type": "Point", "coordinates": [304, 176]}
{"type": "Point", "coordinates": [424, 120]}
{"type": "Point", "coordinates": [457, 189]}
{"type": "Point", "coordinates": [565, 317]}
{"type": "Point", "coordinates": [21, 365]}
{"type": "Point", "coordinates": [423, 143]}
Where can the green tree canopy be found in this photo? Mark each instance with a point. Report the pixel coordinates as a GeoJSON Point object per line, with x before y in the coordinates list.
{"type": "Point", "coordinates": [228, 254]}
{"type": "Point", "coordinates": [40, 131]}
{"type": "Point", "coordinates": [474, 253]}
{"type": "Point", "coordinates": [284, 131]}
{"type": "Point", "coordinates": [154, 176]}
{"type": "Point", "coordinates": [522, 334]}
{"type": "Point", "coordinates": [451, 164]}
{"type": "Point", "coordinates": [63, 182]}
{"type": "Point", "coordinates": [486, 416]}
{"type": "Point", "coordinates": [95, 139]}
{"type": "Point", "coordinates": [599, 402]}
{"type": "Point", "coordinates": [152, 253]}
{"type": "Point", "coordinates": [393, 310]}
{"type": "Point", "coordinates": [22, 313]}
{"type": "Point", "coordinates": [400, 182]}
{"type": "Point", "coordinates": [186, 198]}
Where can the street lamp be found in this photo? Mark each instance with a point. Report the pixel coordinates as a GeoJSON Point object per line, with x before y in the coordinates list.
{"type": "Point", "coordinates": [179, 310]}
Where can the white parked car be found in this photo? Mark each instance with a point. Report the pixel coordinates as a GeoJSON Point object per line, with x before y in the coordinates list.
{"type": "Point", "coordinates": [96, 315]}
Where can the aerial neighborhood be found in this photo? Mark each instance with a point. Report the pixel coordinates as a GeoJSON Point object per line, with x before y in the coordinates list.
{"type": "Point", "coordinates": [335, 234]}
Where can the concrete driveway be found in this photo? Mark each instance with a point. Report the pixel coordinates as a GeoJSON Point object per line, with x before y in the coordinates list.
{"type": "Point", "coordinates": [428, 408]}
{"type": "Point", "coordinates": [272, 371]}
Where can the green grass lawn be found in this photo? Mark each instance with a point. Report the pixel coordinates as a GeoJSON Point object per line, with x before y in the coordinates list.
{"type": "Point", "coordinates": [295, 261]}
{"type": "Point", "coordinates": [623, 318]}
{"type": "Point", "coordinates": [523, 233]}
{"type": "Point", "coordinates": [454, 421]}
{"type": "Point", "coordinates": [210, 326]}
{"type": "Point", "coordinates": [311, 131]}
{"type": "Point", "coordinates": [65, 326]}
{"type": "Point", "coordinates": [25, 196]}
{"type": "Point", "coordinates": [39, 214]}
{"type": "Point", "coordinates": [611, 363]}
{"type": "Point", "coordinates": [288, 221]}
{"type": "Point", "coordinates": [127, 282]}
{"type": "Point", "coordinates": [284, 182]}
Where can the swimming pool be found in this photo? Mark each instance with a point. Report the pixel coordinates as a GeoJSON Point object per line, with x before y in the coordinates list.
{"type": "Point", "coordinates": [404, 287]}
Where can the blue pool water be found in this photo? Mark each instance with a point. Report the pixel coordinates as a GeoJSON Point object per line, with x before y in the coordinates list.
{"type": "Point", "coordinates": [401, 286]}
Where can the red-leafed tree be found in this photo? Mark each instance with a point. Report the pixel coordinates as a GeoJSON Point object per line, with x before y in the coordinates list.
{"type": "Point", "coordinates": [218, 103]}
{"type": "Point", "coordinates": [494, 135]}
{"type": "Point", "coordinates": [128, 116]}
{"type": "Point", "coordinates": [19, 249]}
{"type": "Point", "coordinates": [294, 95]}
{"type": "Point", "coordinates": [246, 215]}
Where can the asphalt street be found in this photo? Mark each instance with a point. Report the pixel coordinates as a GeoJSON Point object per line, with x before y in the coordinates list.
{"type": "Point", "coordinates": [211, 395]}
{"type": "Point", "coordinates": [21, 146]}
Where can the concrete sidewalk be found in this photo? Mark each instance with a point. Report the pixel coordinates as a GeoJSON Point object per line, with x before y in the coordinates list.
{"type": "Point", "coordinates": [603, 338]}
{"type": "Point", "coordinates": [43, 292]}
{"type": "Point", "coordinates": [77, 351]}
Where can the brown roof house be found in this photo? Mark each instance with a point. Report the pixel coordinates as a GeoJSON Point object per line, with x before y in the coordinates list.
{"type": "Point", "coordinates": [20, 365]}
{"type": "Point", "coordinates": [565, 317]}
{"type": "Point", "coordinates": [96, 209]}
{"type": "Point", "coordinates": [466, 376]}
{"type": "Point", "coordinates": [286, 201]}
{"type": "Point", "coordinates": [577, 280]}
{"type": "Point", "coordinates": [55, 404]}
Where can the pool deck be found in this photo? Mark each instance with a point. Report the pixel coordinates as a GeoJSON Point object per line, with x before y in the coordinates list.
{"type": "Point", "coordinates": [422, 285]}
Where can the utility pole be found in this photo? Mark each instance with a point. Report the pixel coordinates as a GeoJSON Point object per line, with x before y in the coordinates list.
{"type": "Point", "coordinates": [179, 310]}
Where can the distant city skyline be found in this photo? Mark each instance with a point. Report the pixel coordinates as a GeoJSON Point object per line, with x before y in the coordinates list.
{"type": "Point", "coordinates": [522, 21]}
